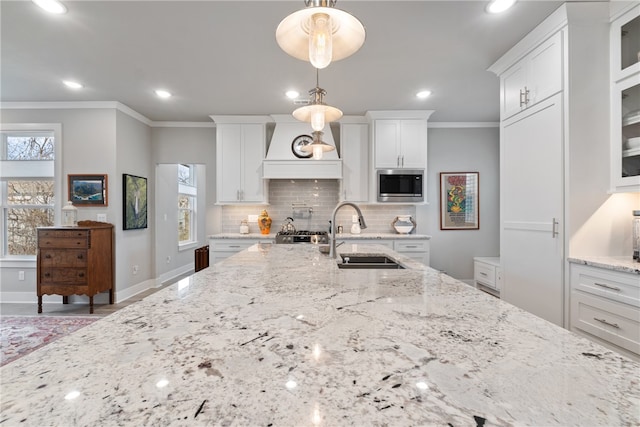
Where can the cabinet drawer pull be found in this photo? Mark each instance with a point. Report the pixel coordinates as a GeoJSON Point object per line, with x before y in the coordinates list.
{"type": "Point", "coordinates": [483, 274]}
{"type": "Point", "coordinates": [81, 275]}
{"type": "Point", "coordinates": [80, 256]}
{"type": "Point", "coordinates": [47, 256]}
{"type": "Point", "coordinates": [603, 285]}
{"type": "Point", "coordinates": [47, 275]}
{"type": "Point", "coordinates": [411, 246]}
{"type": "Point", "coordinates": [234, 246]}
{"type": "Point", "coordinates": [615, 325]}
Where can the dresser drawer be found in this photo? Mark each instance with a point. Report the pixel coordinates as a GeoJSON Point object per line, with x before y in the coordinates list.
{"type": "Point", "coordinates": [63, 243]}
{"type": "Point", "coordinates": [63, 258]}
{"type": "Point", "coordinates": [42, 233]}
{"type": "Point", "coordinates": [67, 276]}
{"type": "Point", "coordinates": [618, 286]}
{"type": "Point", "coordinates": [608, 320]}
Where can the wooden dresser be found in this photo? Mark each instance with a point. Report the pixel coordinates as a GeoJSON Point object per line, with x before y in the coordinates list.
{"type": "Point", "coordinates": [76, 261]}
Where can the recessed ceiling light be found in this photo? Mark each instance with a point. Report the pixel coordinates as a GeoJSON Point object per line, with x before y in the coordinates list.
{"type": "Point", "coordinates": [163, 93]}
{"type": "Point", "coordinates": [292, 94]}
{"type": "Point", "coordinates": [51, 6]}
{"type": "Point", "coordinates": [71, 84]}
{"type": "Point", "coordinates": [498, 6]}
{"type": "Point", "coordinates": [423, 94]}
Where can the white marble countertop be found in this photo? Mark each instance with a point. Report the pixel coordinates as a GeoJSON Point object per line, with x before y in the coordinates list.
{"type": "Point", "coordinates": [278, 335]}
{"type": "Point", "coordinates": [343, 236]}
{"type": "Point", "coordinates": [624, 264]}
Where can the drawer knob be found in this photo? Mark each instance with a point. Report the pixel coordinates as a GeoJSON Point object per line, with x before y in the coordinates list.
{"type": "Point", "coordinates": [603, 285]}
{"type": "Point", "coordinates": [80, 256]}
{"type": "Point", "coordinates": [47, 256]}
{"type": "Point", "coordinates": [47, 275]}
{"type": "Point", "coordinates": [615, 325]}
{"type": "Point", "coordinates": [81, 275]}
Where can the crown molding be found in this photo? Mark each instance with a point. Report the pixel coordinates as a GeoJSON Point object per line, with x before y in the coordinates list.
{"type": "Point", "coordinates": [449, 125]}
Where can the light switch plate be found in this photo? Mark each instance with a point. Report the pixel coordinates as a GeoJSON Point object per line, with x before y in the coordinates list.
{"type": "Point", "coordinates": [252, 218]}
{"type": "Point", "coordinates": [102, 217]}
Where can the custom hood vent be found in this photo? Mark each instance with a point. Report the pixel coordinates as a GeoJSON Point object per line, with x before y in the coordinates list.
{"type": "Point", "coordinates": [282, 163]}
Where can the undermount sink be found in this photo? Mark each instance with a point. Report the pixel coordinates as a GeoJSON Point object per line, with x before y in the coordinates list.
{"type": "Point", "coordinates": [354, 261]}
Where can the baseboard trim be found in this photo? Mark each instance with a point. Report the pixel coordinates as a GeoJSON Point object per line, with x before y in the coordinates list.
{"type": "Point", "coordinates": [102, 298]}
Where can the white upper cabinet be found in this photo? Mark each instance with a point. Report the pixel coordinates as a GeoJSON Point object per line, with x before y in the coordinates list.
{"type": "Point", "coordinates": [399, 139]}
{"type": "Point", "coordinates": [240, 150]}
{"type": "Point", "coordinates": [532, 79]}
{"type": "Point", "coordinates": [354, 151]}
{"type": "Point", "coordinates": [625, 101]}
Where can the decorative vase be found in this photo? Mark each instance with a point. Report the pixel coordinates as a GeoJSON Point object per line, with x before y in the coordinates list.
{"type": "Point", "coordinates": [264, 222]}
{"type": "Point", "coordinates": [403, 224]}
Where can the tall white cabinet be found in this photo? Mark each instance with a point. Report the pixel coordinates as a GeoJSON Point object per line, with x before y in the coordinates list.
{"type": "Point", "coordinates": [553, 96]}
{"type": "Point", "coordinates": [240, 151]}
{"type": "Point", "coordinates": [354, 152]}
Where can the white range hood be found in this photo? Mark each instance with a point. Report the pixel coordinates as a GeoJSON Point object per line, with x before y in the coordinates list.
{"type": "Point", "coordinates": [281, 163]}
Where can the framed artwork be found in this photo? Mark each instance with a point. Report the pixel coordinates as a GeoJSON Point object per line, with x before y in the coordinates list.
{"type": "Point", "coordinates": [88, 190]}
{"type": "Point", "coordinates": [134, 190]}
{"type": "Point", "coordinates": [459, 201]}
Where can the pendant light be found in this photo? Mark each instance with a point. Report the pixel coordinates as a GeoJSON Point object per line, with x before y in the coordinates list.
{"type": "Point", "coordinates": [317, 112]}
{"type": "Point", "coordinates": [318, 146]}
{"type": "Point", "coordinates": [320, 33]}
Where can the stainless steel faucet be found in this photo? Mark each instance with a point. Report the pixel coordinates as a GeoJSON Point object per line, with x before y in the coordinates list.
{"type": "Point", "coordinates": [332, 251]}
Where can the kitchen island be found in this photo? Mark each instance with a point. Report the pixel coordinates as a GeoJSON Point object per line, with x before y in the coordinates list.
{"type": "Point", "coordinates": [278, 335]}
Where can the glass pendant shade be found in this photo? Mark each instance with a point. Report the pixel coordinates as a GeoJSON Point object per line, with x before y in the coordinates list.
{"type": "Point", "coordinates": [320, 40]}
{"type": "Point", "coordinates": [318, 146]}
{"type": "Point", "coordinates": [317, 112]}
{"type": "Point", "coordinates": [320, 34]}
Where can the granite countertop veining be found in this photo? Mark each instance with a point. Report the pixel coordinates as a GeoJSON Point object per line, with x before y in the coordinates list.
{"type": "Point", "coordinates": [623, 264]}
{"type": "Point", "coordinates": [342, 236]}
{"type": "Point", "coordinates": [278, 335]}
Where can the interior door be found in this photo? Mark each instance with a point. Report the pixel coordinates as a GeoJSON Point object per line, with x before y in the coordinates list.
{"type": "Point", "coordinates": [532, 211]}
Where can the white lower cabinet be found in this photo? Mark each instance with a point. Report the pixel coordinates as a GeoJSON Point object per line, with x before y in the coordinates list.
{"type": "Point", "coordinates": [220, 249]}
{"type": "Point", "coordinates": [487, 274]}
{"type": "Point", "coordinates": [415, 249]}
{"type": "Point", "coordinates": [605, 307]}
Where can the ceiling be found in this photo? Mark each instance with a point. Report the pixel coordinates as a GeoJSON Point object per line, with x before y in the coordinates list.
{"type": "Point", "coordinates": [221, 57]}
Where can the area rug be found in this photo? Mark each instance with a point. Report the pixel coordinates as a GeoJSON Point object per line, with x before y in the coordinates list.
{"type": "Point", "coordinates": [23, 334]}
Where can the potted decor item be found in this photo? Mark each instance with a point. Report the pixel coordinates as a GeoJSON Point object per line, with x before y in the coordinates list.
{"type": "Point", "coordinates": [404, 224]}
{"type": "Point", "coordinates": [264, 222]}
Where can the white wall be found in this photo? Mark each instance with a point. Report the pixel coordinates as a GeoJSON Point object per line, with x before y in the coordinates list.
{"type": "Point", "coordinates": [134, 247]}
{"type": "Point", "coordinates": [88, 137]}
{"type": "Point", "coordinates": [463, 150]}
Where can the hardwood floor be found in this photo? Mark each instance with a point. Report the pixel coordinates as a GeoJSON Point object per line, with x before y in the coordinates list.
{"type": "Point", "coordinates": [59, 309]}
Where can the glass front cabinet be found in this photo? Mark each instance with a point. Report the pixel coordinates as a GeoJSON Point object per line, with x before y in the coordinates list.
{"type": "Point", "coordinates": [625, 101]}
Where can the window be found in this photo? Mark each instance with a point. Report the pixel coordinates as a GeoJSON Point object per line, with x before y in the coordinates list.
{"type": "Point", "coordinates": [187, 196]}
{"type": "Point", "coordinates": [27, 188]}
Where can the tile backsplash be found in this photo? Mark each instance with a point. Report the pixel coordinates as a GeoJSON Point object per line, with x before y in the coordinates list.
{"type": "Point", "coordinates": [311, 202]}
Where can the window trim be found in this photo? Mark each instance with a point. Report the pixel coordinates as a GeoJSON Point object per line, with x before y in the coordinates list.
{"type": "Point", "coordinates": [56, 129]}
{"type": "Point", "coordinates": [190, 190]}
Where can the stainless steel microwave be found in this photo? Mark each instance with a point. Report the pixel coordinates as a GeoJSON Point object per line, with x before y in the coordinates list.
{"type": "Point", "coordinates": [400, 185]}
